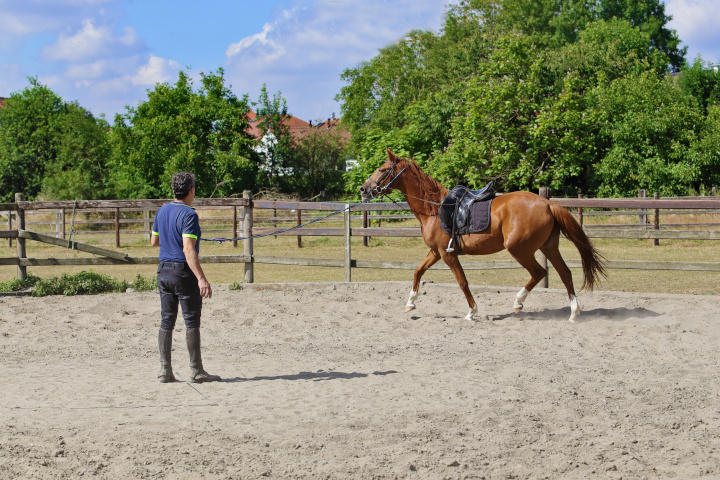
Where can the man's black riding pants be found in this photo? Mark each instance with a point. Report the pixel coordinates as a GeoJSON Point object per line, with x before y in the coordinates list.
{"type": "Point", "coordinates": [178, 285]}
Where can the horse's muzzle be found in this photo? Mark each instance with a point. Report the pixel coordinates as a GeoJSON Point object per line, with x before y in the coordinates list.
{"type": "Point", "coordinates": [366, 194]}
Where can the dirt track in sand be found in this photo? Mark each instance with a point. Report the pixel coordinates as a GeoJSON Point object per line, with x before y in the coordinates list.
{"type": "Point", "coordinates": [336, 381]}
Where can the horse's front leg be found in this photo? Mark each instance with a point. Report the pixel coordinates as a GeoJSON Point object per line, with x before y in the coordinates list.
{"type": "Point", "coordinates": [428, 262]}
{"type": "Point", "coordinates": [454, 263]}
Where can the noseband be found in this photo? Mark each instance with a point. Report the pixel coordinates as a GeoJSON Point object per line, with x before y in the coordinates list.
{"type": "Point", "coordinates": [379, 189]}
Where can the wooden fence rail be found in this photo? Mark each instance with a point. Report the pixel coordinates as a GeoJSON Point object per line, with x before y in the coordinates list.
{"type": "Point", "coordinates": [243, 225]}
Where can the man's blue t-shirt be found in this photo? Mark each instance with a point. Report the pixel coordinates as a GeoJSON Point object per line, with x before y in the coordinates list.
{"type": "Point", "coordinates": [173, 221]}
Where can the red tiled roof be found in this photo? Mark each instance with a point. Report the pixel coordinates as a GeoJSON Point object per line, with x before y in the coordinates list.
{"type": "Point", "coordinates": [331, 124]}
{"type": "Point", "coordinates": [2, 101]}
{"type": "Point", "coordinates": [296, 126]}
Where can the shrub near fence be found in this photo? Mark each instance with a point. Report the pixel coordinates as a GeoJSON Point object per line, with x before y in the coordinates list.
{"type": "Point", "coordinates": [246, 213]}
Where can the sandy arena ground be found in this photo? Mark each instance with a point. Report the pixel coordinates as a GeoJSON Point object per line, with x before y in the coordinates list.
{"type": "Point", "coordinates": [337, 381]}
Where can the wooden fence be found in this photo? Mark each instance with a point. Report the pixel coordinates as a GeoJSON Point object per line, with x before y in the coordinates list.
{"type": "Point", "coordinates": [245, 214]}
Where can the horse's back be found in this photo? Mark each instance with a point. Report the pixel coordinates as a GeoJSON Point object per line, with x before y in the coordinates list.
{"type": "Point", "coordinates": [522, 215]}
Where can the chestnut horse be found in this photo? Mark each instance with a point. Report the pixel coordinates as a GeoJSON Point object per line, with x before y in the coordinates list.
{"type": "Point", "coordinates": [520, 222]}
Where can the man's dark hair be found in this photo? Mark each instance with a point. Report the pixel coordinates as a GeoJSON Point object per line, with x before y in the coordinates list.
{"type": "Point", "coordinates": [181, 184]}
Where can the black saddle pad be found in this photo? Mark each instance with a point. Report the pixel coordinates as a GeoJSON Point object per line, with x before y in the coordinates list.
{"type": "Point", "coordinates": [478, 219]}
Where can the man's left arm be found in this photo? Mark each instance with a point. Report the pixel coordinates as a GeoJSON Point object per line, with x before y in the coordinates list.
{"type": "Point", "coordinates": [193, 261]}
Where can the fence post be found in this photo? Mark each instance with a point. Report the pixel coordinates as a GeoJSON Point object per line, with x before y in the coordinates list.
{"type": "Point", "coordinates": [247, 233]}
{"type": "Point", "coordinates": [542, 259]}
{"type": "Point", "coordinates": [656, 225]}
{"type": "Point", "coordinates": [714, 191]}
{"type": "Point", "coordinates": [299, 222]}
{"type": "Point", "coordinates": [365, 225]}
{"type": "Point", "coordinates": [580, 211]}
{"type": "Point", "coordinates": [62, 223]}
{"type": "Point", "coordinates": [642, 218]}
{"type": "Point", "coordinates": [146, 222]}
{"type": "Point", "coordinates": [348, 273]}
{"type": "Point", "coordinates": [235, 225]}
{"type": "Point", "coordinates": [117, 227]}
{"type": "Point", "coordinates": [21, 251]}
{"type": "Point", "coordinates": [10, 226]}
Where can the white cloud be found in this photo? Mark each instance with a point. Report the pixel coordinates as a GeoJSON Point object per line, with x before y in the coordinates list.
{"type": "Point", "coordinates": [93, 42]}
{"type": "Point", "coordinates": [303, 51]}
{"type": "Point", "coordinates": [156, 70]}
{"type": "Point", "coordinates": [697, 23]}
{"type": "Point", "coordinates": [21, 19]}
{"type": "Point", "coordinates": [260, 40]}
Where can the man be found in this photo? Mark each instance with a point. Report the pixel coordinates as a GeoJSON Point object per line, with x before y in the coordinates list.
{"type": "Point", "coordinates": [176, 230]}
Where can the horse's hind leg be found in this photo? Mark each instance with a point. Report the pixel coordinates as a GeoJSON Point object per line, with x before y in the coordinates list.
{"type": "Point", "coordinates": [526, 258]}
{"type": "Point", "coordinates": [552, 253]}
{"type": "Point", "coordinates": [428, 262]}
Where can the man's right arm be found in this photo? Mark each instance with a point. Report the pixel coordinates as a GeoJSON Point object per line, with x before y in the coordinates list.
{"type": "Point", "coordinates": [154, 239]}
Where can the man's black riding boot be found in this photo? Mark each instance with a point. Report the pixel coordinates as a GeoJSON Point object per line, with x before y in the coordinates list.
{"type": "Point", "coordinates": [165, 345]}
{"type": "Point", "coordinates": [197, 373]}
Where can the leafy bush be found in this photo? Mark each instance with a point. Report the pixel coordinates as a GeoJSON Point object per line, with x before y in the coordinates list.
{"type": "Point", "coordinates": [83, 283]}
{"type": "Point", "coordinates": [142, 284]}
{"type": "Point", "coordinates": [19, 284]}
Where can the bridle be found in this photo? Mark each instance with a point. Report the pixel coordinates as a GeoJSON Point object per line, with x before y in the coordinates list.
{"type": "Point", "coordinates": [379, 188]}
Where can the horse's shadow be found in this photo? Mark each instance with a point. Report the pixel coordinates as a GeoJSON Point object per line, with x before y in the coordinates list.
{"type": "Point", "coordinates": [620, 314]}
{"type": "Point", "coordinates": [314, 376]}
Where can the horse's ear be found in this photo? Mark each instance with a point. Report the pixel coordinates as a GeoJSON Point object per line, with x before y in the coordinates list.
{"type": "Point", "coordinates": [391, 156]}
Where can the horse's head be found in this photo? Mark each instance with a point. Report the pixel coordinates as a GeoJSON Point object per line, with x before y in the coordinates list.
{"type": "Point", "coordinates": [380, 181]}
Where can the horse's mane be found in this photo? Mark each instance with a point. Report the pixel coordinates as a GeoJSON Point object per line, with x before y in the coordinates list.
{"type": "Point", "coordinates": [427, 187]}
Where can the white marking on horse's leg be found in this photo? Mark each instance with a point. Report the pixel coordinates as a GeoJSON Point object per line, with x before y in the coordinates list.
{"type": "Point", "coordinates": [410, 305]}
{"type": "Point", "coordinates": [471, 313]}
{"type": "Point", "coordinates": [519, 299]}
{"type": "Point", "coordinates": [574, 308]}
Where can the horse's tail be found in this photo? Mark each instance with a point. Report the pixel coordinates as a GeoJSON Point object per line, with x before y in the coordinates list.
{"type": "Point", "coordinates": [592, 262]}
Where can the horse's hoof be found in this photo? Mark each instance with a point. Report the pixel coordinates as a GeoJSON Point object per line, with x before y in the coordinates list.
{"type": "Point", "coordinates": [408, 308]}
{"type": "Point", "coordinates": [518, 310]}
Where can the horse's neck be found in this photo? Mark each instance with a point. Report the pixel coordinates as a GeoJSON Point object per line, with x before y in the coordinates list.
{"type": "Point", "coordinates": [423, 193]}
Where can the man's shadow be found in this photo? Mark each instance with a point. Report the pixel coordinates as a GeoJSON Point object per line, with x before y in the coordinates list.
{"type": "Point", "coordinates": [620, 314]}
{"type": "Point", "coordinates": [314, 376]}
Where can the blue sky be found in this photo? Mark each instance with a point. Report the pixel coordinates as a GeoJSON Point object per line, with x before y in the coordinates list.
{"type": "Point", "coordinates": [106, 53]}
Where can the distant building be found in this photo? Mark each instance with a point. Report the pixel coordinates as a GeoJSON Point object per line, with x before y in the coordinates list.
{"type": "Point", "coordinates": [2, 102]}
{"type": "Point", "coordinates": [297, 128]}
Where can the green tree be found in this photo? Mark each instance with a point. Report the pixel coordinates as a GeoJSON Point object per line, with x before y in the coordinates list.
{"type": "Point", "coordinates": [319, 164]}
{"type": "Point", "coordinates": [509, 90]}
{"type": "Point", "coordinates": [80, 169]}
{"type": "Point", "coordinates": [702, 81]}
{"type": "Point", "coordinates": [554, 23]}
{"type": "Point", "coordinates": [491, 136]}
{"type": "Point", "coordinates": [179, 128]}
{"type": "Point", "coordinates": [706, 152]}
{"type": "Point", "coordinates": [650, 128]}
{"type": "Point", "coordinates": [276, 147]}
{"type": "Point", "coordinates": [50, 146]}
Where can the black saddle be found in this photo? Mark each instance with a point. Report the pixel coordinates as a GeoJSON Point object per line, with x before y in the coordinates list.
{"type": "Point", "coordinates": [465, 211]}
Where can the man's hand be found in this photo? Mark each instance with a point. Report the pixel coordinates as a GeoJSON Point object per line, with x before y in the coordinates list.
{"type": "Point", "coordinates": [205, 288]}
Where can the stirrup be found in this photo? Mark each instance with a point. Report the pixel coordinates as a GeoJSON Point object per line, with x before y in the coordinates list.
{"type": "Point", "coordinates": [449, 248]}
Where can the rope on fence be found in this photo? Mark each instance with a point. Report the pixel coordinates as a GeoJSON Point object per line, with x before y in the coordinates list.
{"type": "Point", "coordinates": [220, 240]}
